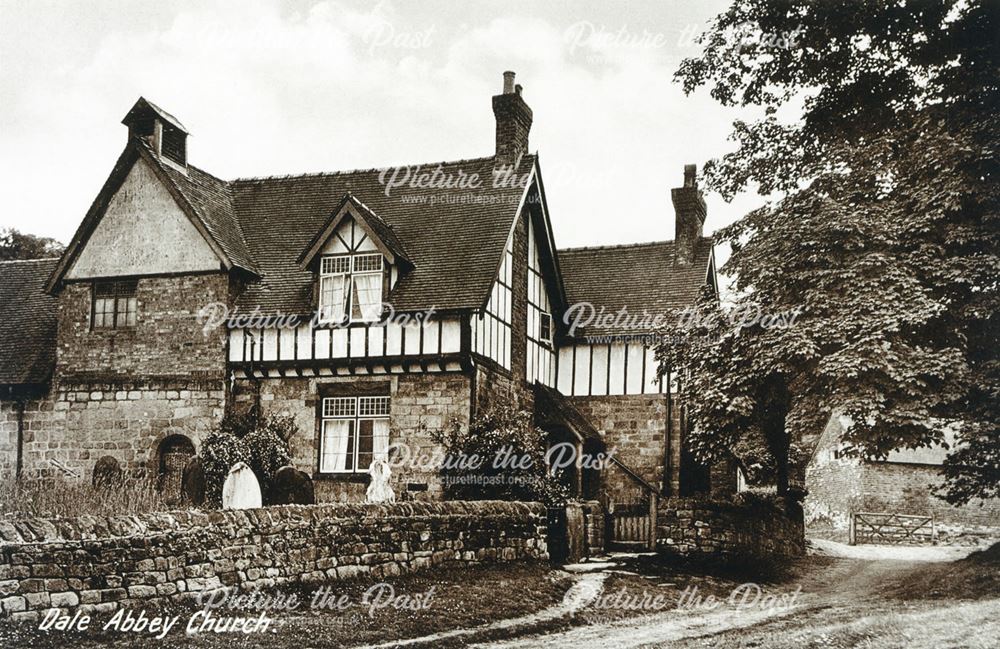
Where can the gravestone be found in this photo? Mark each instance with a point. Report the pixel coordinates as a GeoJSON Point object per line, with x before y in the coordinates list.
{"type": "Point", "coordinates": [379, 490]}
{"type": "Point", "coordinates": [107, 472]}
{"type": "Point", "coordinates": [291, 487]}
{"type": "Point", "coordinates": [175, 451]}
{"type": "Point", "coordinates": [193, 481]}
{"type": "Point", "coordinates": [241, 489]}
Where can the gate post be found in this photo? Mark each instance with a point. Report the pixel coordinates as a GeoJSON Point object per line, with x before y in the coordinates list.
{"type": "Point", "coordinates": [652, 521]}
{"type": "Point", "coordinates": [852, 532]}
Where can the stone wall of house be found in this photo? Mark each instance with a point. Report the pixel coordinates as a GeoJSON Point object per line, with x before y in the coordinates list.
{"type": "Point", "coordinates": [634, 427]}
{"type": "Point", "coordinates": [519, 308]}
{"type": "Point", "coordinates": [723, 529]}
{"type": "Point", "coordinates": [909, 489]}
{"type": "Point", "coordinates": [96, 565]}
{"type": "Point", "coordinates": [494, 386]}
{"type": "Point", "coordinates": [420, 406]}
{"type": "Point", "coordinates": [121, 392]}
{"type": "Point", "coordinates": [834, 489]}
{"type": "Point", "coordinates": [74, 424]}
{"type": "Point", "coordinates": [839, 485]}
{"type": "Point", "coordinates": [167, 340]}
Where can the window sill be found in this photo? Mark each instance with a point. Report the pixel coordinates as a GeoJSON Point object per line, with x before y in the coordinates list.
{"type": "Point", "coordinates": [114, 331]}
{"type": "Point", "coordinates": [360, 478]}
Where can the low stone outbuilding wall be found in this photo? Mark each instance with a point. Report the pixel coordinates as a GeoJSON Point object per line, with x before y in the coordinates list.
{"type": "Point", "coordinates": [729, 529]}
{"type": "Point", "coordinates": [101, 564]}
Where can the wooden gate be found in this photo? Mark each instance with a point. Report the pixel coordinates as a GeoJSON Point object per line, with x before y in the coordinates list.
{"type": "Point", "coordinates": [631, 524]}
{"type": "Point", "coordinates": [890, 528]}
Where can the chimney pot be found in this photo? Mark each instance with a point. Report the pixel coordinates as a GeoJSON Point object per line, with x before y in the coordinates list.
{"type": "Point", "coordinates": [508, 82]}
{"type": "Point", "coordinates": [691, 176]}
{"type": "Point", "coordinates": [513, 118]}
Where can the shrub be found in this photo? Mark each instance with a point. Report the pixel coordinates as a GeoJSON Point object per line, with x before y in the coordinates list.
{"type": "Point", "coordinates": [259, 440]}
{"type": "Point", "coordinates": [219, 452]}
{"type": "Point", "coordinates": [502, 430]}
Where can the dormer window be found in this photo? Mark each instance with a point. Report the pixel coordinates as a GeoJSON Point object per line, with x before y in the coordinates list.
{"type": "Point", "coordinates": [350, 287]}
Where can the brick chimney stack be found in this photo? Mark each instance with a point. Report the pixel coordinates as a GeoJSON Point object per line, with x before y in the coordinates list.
{"type": "Point", "coordinates": [513, 122]}
{"type": "Point", "coordinates": [689, 210]}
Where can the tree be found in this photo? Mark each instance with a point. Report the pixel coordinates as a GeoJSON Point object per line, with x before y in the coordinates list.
{"type": "Point", "coordinates": [259, 439]}
{"type": "Point", "coordinates": [501, 455]}
{"type": "Point", "coordinates": [887, 236]}
{"type": "Point", "coordinates": [16, 245]}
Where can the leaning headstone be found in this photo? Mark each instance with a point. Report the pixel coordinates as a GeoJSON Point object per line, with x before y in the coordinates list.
{"type": "Point", "coordinates": [241, 489]}
{"type": "Point", "coordinates": [107, 472]}
{"type": "Point", "coordinates": [379, 490]}
{"type": "Point", "coordinates": [193, 481]}
{"type": "Point", "coordinates": [292, 487]}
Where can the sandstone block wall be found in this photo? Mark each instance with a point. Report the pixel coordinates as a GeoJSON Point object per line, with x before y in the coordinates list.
{"type": "Point", "coordinates": [701, 528]}
{"type": "Point", "coordinates": [101, 564]}
{"type": "Point", "coordinates": [420, 405]}
{"type": "Point", "coordinates": [634, 428]}
{"type": "Point", "coordinates": [166, 341]}
{"type": "Point", "coordinates": [77, 423]}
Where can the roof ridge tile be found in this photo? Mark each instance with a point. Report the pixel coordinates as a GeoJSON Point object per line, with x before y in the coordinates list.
{"type": "Point", "coordinates": [361, 170]}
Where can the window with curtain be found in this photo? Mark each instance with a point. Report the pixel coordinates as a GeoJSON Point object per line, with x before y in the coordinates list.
{"type": "Point", "coordinates": [354, 432]}
{"type": "Point", "coordinates": [350, 287]}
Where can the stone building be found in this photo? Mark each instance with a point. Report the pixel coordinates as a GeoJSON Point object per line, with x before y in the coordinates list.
{"type": "Point", "coordinates": [902, 483]}
{"type": "Point", "coordinates": [375, 306]}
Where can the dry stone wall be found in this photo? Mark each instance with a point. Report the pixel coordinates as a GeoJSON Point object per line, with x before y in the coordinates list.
{"type": "Point", "coordinates": [98, 565]}
{"type": "Point", "coordinates": [720, 529]}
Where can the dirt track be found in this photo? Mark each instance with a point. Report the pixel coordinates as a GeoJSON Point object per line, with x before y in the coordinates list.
{"type": "Point", "coordinates": [845, 603]}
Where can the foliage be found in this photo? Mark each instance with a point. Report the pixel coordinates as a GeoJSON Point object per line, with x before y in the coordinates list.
{"type": "Point", "coordinates": [62, 498]}
{"type": "Point", "coordinates": [887, 237]}
{"type": "Point", "coordinates": [260, 440]}
{"type": "Point", "coordinates": [502, 431]}
{"type": "Point", "coordinates": [17, 245]}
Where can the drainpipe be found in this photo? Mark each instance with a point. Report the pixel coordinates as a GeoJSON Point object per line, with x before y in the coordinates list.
{"type": "Point", "coordinates": [18, 467]}
{"type": "Point", "coordinates": [254, 385]}
{"type": "Point", "coordinates": [667, 468]}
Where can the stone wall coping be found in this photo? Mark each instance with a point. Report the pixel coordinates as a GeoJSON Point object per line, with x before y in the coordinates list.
{"type": "Point", "coordinates": [87, 528]}
{"type": "Point", "coordinates": [775, 503]}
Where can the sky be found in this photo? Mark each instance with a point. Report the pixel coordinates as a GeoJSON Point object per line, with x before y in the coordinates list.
{"type": "Point", "coordinates": [296, 86]}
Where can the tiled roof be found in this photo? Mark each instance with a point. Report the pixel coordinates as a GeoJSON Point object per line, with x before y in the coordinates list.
{"type": "Point", "coordinates": [553, 410]}
{"type": "Point", "coordinates": [27, 322]}
{"type": "Point", "coordinates": [642, 278]}
{"type": "Point", "coordinates": [213, 202]}
{"type": "Point", "coordinates": [454, 237]}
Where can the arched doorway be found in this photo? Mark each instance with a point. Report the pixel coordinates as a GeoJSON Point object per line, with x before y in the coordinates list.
{"type": "Point", "coordinates": [174, 453]}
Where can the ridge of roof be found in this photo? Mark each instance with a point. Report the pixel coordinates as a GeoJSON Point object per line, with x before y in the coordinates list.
{"type": "Point", "coordinates": [28, 261]}
{"type": "Point", "coordinates": [619, 246]}
{"type": "Point", "coordinates": [622, 246]}
{"type": "Point", "coordinates": [360, 170]}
